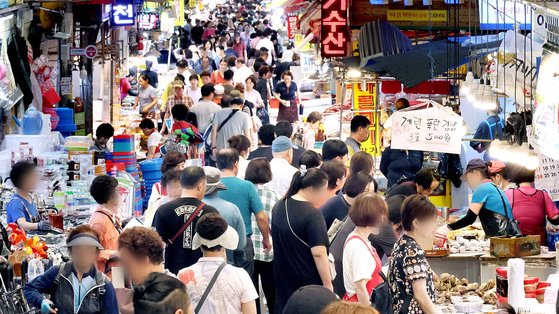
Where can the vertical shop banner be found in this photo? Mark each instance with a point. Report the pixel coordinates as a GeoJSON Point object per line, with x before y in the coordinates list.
{"type": "Point", "coordinates": [334, 31]}
{"type": "Point", "coordinates": [292, 26]}
{"type": "Point", "coordinates": [432, 129]}
{"type": "Point", "coordinates": [123, 13]}
{"type": "Point", "coordinates": [547, 176]}
{"type": "Point", "coordinates": [365, 104]}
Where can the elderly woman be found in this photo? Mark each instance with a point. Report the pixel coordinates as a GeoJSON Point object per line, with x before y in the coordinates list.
{"type": "Point", "coordinates": [411, 278]}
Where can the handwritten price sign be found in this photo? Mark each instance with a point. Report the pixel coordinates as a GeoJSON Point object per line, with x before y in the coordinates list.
{"type": "Point", "coordinates": [547, 176]}
{"type": "Point", "coordinates": [432, 129]}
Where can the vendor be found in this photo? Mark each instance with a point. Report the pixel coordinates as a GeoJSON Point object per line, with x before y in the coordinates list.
{"type": "Point", "coordinates": [103, 134]}
{"type": "Point", "coordinates": [425, 182]}
{"type": "Point", "coordinates": [104, 190]}
{"type": "Point", "coordinates": [501, 175]}
{"type": "Point", "coordinates": [360, 133]}
{"type": "Point", "coordinates": [488, 202]}
{"type": "Point", "coordinates": [154, 137]}
{"type": "Point", "coordinates": [289, 97]}
{"type": "Point", "coordinates": [75, 286]}
{"type": "Point", "coordinates": [489, 129]}
{"type": "Point", "coordinates": [399, 165]}
{"type": "Point", "coordinates": [147, 98]}
{"type": "Point", "coordinates": [20, 208]}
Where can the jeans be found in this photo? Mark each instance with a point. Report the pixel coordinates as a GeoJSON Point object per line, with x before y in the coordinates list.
{"type": "Point", "coordinates": [265, 270]}
{"type": "Point", "coordinates": [248, 263]}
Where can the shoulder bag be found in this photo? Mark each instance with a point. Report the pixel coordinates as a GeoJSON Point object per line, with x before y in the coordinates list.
{"type": "Point", "coordinates": [227, 119]}
{"type": "Point", "coordinates": [209, 288]}
{"type": "Point", "coordinates": [331, 259]}
{"type": "Point", "coordinates": [187, 223]}
{"type": "Point", "coordinates": [512, 228]}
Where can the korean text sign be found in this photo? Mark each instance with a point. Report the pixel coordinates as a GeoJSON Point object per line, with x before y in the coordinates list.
{"type": "Point", "coordinates": [334, 33]}
{"type": "Point", "coordinates": [431, 129]}
{"type": "Point", "coordinates": [123, 13]}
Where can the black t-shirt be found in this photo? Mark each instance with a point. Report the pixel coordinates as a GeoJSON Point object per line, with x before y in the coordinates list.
{"type": "Point", "coordinates": [197, 32]}
{"type": "Point", "coordinates": [335, 208]}
{"type": "Point", "coordinates": [294, 265]}
{"type": "Point", "coordinates": [168, 220]}
{"type": "Point", "coordinates": [405, 188]}
{"type": "Point", "coordinates": [261, 152]}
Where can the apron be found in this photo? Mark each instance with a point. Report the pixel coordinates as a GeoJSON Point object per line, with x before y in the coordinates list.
{"type": "Point", "coordinates": [375, 280]}
{"type": "Point", "coordinates": [289, 114]}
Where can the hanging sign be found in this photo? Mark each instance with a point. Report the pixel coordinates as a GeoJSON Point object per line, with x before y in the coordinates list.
{"type": "Point", "coordinates": [547, 177]}
{"type": "Point", "coordinates": [432, 129]}
{"type": "Point", "coordinates": [123, 13]}
{"type": "Point", "coordinates": [292, 26]}
{"type": "Point", "coordinates": [417, 15]}
{"type": "Point", "coordinates": [334, 31]}
{"type": "Point", "coordinates": [89, 51]}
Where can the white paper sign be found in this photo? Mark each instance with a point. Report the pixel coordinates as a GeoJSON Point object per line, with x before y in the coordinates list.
{"type": "Point", "coordinates": [547, 176]}
{"type": "Point", "coordinates": [432, 129]}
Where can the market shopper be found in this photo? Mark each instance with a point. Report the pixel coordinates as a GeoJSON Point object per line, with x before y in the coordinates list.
{"type": "Point", "coordinates": [337, 174]}
{"type": "Point", "coordinates": [310, 159]}
{"type": "Point", "coordinates": [282, 152]}
{"type": "Point", "coordinates": [361, 263]}
{"type": "Point", "coordinates": [76, 286]}
{"type": "Point", "coordinates": [171, 161]}
{"type": "Point", "coordinates": [530, 206]}
{"type": "Point", "coordinates": [153, 79]}
{"type": "Point", "coordinates": [309, 130]}
{"type": "Point", "coordinates": [300, 300]}
{"type": "Point", "coordinates": [229, 211]}
{"type": "Point", "coordinates": [259, 173]}
{"type": "Point", "coordinates": [229, 122]}
{"type": "Point", "coordinates": [489, 203]}
{"type": "Point", "coordinates": [243, 194]}
{"type": "Point", "coordinates": [218, 75]}
{"type": "Point", "coordinates": [206, 108]}
{"type": "Point", "coordinates": [242, 144]}
{"type": "Point", "coordinates": [242, 72]}
{"type": "Point", "coordinates": [360, 133]}
{"type": "Point", "coordinates": [183, 119]}
{"type": "Point", "coordinates": [193, 91]}
{"type": "Point", "coordinates": [105, 220]}
{"type": "Point", "coordinates": [213, 285]}
{"type": "Point", "coordinates": [20, 209]}
{"type": "Point", "coordinates": [147, 98]}
{"type": "Point", "coordinates": [154, 138]}
{"type": "Point", "coordinates": [361, 161]}
{"type": "Point", "coordinates": [300, 237]}
{"type": "Point", "coordinates": [266, 136]}
{"type": "Point", "coordinates": [335, 150]}
{"type": "Point", "coordinates": [290, 99]}
{"type": "Point", "coordinates": [171, 184]}
{"type": "Point", "coordinates": [103, 134]}
{"type": "Point", "coordinates": [204, 66]}
{"type": "Point", "coordinates": [284, 128]}
{"type": "Point", "coordinates": [161, 293]}
{"type": "Point", "coordinates": [239, 46]}
{"type": "Point", "coordinates": [398, 165]}
{"type": "Point", "coordinates": [263, 85]}
{"type": "Point", "coordinates": [176, 221]}
{"type": "Point", "coordinates": [425, 182]}
{"type": "Point", "coordinates": [411, 278]}
{"type": "Point", "coordinates": [179, 98]}
{"type": "Point", "coordinates": [251, 94]}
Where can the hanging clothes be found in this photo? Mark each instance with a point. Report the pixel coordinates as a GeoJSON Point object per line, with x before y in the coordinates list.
{"type": "Point", "coordinates": [17, 54]}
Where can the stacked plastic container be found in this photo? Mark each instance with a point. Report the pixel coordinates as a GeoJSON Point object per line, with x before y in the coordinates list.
{"type": "Point", "coordinates": [151, 173]}
{"type": "Point", "coordinates": [125, 154]}
{"type": "Point", "coordinates": [66, 125]}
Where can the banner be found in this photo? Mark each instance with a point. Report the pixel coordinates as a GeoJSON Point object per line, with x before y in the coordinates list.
{"type": "Point", "coordinates": [334, 37]}
{"type": "Point", "coordinates": [432, 129]}
{"type": "Point", "coordinates": [292, 26]}
{"type": "Point", "coordinates": [417, 15]}
{"type": "Point", "coordinates": [547, 177]}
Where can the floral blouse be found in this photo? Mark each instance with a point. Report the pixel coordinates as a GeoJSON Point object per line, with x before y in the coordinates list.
{"type": "Point", "coordinates": [408, 264]}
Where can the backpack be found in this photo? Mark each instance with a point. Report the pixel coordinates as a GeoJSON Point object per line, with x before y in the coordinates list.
{"type": "Point", "coordinates": [298, 137]}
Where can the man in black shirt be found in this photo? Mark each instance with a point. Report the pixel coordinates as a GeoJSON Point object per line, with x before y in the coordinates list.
{"type": "Point", "coordinates": [425, 182]}
{"type": "Point", "coordinates": [196, 33]}
{"type": "Point", "coordinates": [284, 128]}
{"type": "Point", "coordinates": [266, 135]}
{"type": "Point", "coordinates": [264, 75]}
{"type": "Point", "coordinates": [176, 221]}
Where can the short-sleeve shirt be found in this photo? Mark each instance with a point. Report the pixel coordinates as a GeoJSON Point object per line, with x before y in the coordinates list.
{"type": "Point", "coordinates": [358, 263]}
{"type": "Point", "coordinates": [239, 122]}
{"type": "Point", "coordinates": [335, 208]}
{"type": "Point", "coordinates": [168, 220]}
{"type": "Point", "coordinates": [269, 199]}
{"type": "Point", "coordinates": [154, 140]}
{"type": "Point", "coordinates": [19, 207]}
{"type": "Point", "coordinates": [490, 196]}
{"type": "Point", "coordinates": [294, 265]}
{"type": "Point", "coordinates": [286, 93]}
{"type": "Point", "coordinates": [146, 96]}
{"type": "Point", "coordinates": [232, 288]}
{"type": "Point", "coordinates": [243, 194]}
{"type": "Point", "coordinates": [407, 265]}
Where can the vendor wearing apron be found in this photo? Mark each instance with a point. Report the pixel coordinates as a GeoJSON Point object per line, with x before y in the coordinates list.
{"type": "Point", "coordinates": [488, 202]}
{"type": "Point", "coordinates": [288, 95]}
{"type": "Point", "coordinates": [20, 208]}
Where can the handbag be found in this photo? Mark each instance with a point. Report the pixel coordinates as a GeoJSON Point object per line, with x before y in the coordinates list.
{"type": "Point", "coordinates": [512, 228]}
{"type": "Point", "coordinates": [331, 259]}
{"type": "Point", "coordinates": [263, 115]}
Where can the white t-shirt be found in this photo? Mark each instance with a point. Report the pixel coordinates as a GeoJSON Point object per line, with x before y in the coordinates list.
{"type": "Point", "coordinates": [241, 74]}
{"type": "Point", "coordinates": [154, 139]}
{"type": "Point", "coordinates": [268, 44]}
{"type": "Point", "coordinates": [194, 94]}
{"type": "Point", "coordinates": [358, 263]}
{"type": "Point", "coordinates": [232, 288]}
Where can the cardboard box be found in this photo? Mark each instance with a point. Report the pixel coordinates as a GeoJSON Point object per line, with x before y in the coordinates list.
{"type": "Point", "coordinates": [515, 247]}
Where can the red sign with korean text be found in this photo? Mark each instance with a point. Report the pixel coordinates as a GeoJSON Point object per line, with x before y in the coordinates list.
{"type": "Point", "coordinates": [292, 26]}
{"type": "Point", "coordinates": [334, 36]}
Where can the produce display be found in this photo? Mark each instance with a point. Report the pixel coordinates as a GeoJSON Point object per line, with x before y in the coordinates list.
{"type": "Point", "coordinates": [448, 286]}
{"type": "Point", "coordinates": [468, 244]}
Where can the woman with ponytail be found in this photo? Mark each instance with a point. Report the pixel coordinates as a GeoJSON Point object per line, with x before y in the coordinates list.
{"type": "Point", "coordinates": [489, 203]}
{"type": "Point", "coordinates": [300, 238]}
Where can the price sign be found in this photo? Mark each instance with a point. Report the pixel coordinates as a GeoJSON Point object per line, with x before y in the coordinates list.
{"type": "Point", "coordinates": [432, 129]}
{"type": "Point", "coordinates": [334, 34]}
{"type": "Point", "coordinates": [547, 176]}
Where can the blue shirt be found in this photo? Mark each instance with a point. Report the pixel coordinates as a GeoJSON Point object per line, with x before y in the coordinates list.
{"type": "Point", "coordinates": [19, 207]}
{"type": "Point", "coordinates": [231, 213]}
{"type": "Point", "coordinates": [243, 194]}
{"type": "Point", "coordinates": [286, 93]}
{"type": "Point", "coordinates": [490, 196]}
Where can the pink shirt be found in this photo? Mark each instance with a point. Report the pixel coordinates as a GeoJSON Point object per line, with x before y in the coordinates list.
{"type": "Point", "coordinates": [531, 207]}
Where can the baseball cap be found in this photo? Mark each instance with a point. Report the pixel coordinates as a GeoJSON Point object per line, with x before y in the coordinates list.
{"type": "Point", "coordinates": [496, 166]}
{"type": "Point", "coordinates": [281, 144]}
{"type": "Point", "coordinates": [310, 299]}
{"type": "Point", "coordinates": [474, 164]}
{"type": "Point", "coordinates": [219, 90]}
{"type": "Point", "coordinates": [213, 180]}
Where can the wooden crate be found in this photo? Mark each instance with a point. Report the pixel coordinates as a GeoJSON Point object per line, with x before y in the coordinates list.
{"type": "Point", "coordinates": [515, 247]}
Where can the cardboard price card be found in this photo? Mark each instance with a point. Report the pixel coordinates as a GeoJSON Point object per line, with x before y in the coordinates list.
{"type": "Point", "coordinates": [432, 129]}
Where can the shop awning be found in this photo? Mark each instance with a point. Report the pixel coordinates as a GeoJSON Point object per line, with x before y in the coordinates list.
{"type": "Point", "coordinates": [293, 5]}
{"type": "Point", "coordinates": [310, 19]}
{"type": "Point", "coordinates": [380, 38]}
{"type": "Point", "coordinates": [414, 67]}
